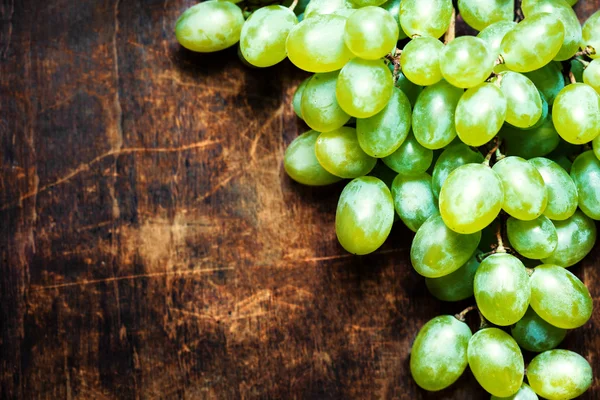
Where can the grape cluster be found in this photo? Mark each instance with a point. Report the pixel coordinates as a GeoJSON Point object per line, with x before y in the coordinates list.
{"type": "Point", "coordinates": [486, 146]}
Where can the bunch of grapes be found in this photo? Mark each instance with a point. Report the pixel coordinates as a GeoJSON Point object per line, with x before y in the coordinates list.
{"type": "Point", "coordinates": [486, 146]}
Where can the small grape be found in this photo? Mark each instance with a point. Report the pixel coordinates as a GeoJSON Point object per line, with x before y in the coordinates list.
{"type": "Point", "coordinates": [420, 60]}
{"type": "Point", "coordinates": [301, 164]}
{"type": "Point", "coordinates": [532, 333]}
{"type": "Point", "coordinates": [455, 155]}
{"type": "Point", "coordinates": [496, 361]}
{"type": "Point", "coordinates": [535, 142]}
{"type": "Point", "coordinates": [457, 285]}
{"type": "Point", "coordinates": [339, 153]}
{"type": "Point", "coordinates": [410, 159]}
{"type": "Point", "coordinates": [549, 80]}
{"type": "Point", "coordinates": [319, 105]}
{"type": "Point", "coordinates": [425, 17]}
{"type": "Point", "coordinates": [534, 239]}
{"type": "Point", "coordinates": [371, 33]}
{"type": "Point", "coordinates": [561, 190]}
{"type": "Point", "coordinates": [524, 103]}
{"type": "Point", "coordinates": [297, 101]}
{"type": "Point", "coordinates": [576, 113]}
{"type": "Point", "coordinates": [576, 238]}
{"type": "Point", "coordinates": [437, 251]}
{"type": "Point", "coordinates": [413, 199]}
{"type": "Point", "coordinates": [524, 393]}
{"type": "Point", "coordinates": [559, 297]}
{"type": "Point", "coordinates": [479, 14]}
{"type": "Point", "coordinates": [364, 87]}
{"type": "Point", "coordinates": [466, 62]}
{"type": "Point", "coordinates": [591, 75]}
{"type": "Point", "coordinates": [559, 375]}
{"type": "Point", "coordinates": [591, 34]}
{"type": "Point", "coordinates": [439, 354]}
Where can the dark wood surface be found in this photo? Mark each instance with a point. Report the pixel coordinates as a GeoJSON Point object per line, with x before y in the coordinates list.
{"type": "Point", "coordinates": [153, 247]}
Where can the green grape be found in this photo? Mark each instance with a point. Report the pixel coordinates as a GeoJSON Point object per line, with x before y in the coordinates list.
{"type": "Point", "coordinates": [455, 155]}
{"type": "Point", "coordinates": [591, 34]}
{"type": "Point", "coordinates": [410, 159]}
{"type": "Point", "coordinates": [524, 393]}
{"type": "Point", "coordinates": [433, 115]}
{"type": "Point", "coordinates": [493, 35]}
{"type": "Point", "coordinates": [210, 26]}
{"type": "Point", "coordinates": [339, 153]}
{"type": "Point", "coordinates": [466, 62]}
{"type": "Point", "coordinates": [480, 14]}
{"type": "Point", "coordinates": [563, 11]}
{"type": "Point", "coordinates": [524, 103]}
{"type": "Point", "coordinates": [439, 354]}
{"type": "Point", "coordinates": [366, 3]}
{"type": "Point", "coordinates": [525, 194]}
{"type": "Point", "coordinates": [559, 375]}
{"type": "Point", "coordinates": [317, 44]}
{"type": "Point", "coordinates": [559, 297]}
{"type": "Point", "coordinates": [576, 238]}
{"type": "Point", "coordinates": [371, 33]}
{"type": "Point", "coordinates": [571, 2]}
{"type": "Point", "coordinates": [297, 101]}
{"type": "Point", "coordinates": [532, 333]}
{"type": "Point", "coordinates": [364, 87]}
{"type": "Point", "coordinates": [576, 113]}
{"type": "Point", "coordinates": [364, 216]}
{"type": "Point", "coordinates": [437, 251]}
{"type": "Point", "coordinates": [533, 43]}
{"type": "Point", "coordinates": [393, 7]}
{"type": "Point", "coordinates": [413, 199]}
{"type": "Point", "coordinates": [425, 17]}
{"type": "Point", "coordinates": [300, 162]}
{"type": "Point", "coordinates": [420, 60]}
{"type": "Point", "coordinates": [319, 106]}
{"type": "Point", "coordinates": [383, 133]}
{"type": "Point", "coordinates": [471, 198]}
{"type": "Point", "coordinates": [561, 190]}
{"type": "Point", "coordinates": [502, 289]}
{"type": "Point", "coordinates": [480, 114]}
{"type": "Point", "coordinates": [591, 75]}
{"type": "Point", "coordinates": [545, 117]}
{"type": "Point", "coordinates": [457, 285]}
{"type": "Point", "coordinates": [264, 34]}
{"type": "Point", "coordinates": [586, 175]}
{"type": "Point", "coordinates": [322, 7]}
{"type": "Point", "coordinates": [496, 361]}
{"type": "Point", "coordinates": [596, 146]}
{"type": "Point", "coordinates": [549, 80]}
{"type": "Point", "coordinates": [411, 90]}
{"type": "Point", "coordinates": [576, 68]}
{"type": "Point", "coordinates": [535, 142]}
{"type": "Point", "coordinates": [534, 239]}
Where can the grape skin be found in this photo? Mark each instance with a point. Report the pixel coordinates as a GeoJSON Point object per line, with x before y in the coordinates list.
{"type": "Point", "coordinates": [457, 285]}
{"type": "Point", "coordinates": [576, 113]}
{"type": "Point", "coordinates": [585, 172]}
{"type": "Point", "coordinates": [420, 60]}
{"type": "Point", "coordinates": [591, 75]}
{"type": "Point", "coordinates": [479, 14]}
{"type": "Point", "coordinates": [535, 239]}
{"type": "Point", "coordinates": [413, 199]}
{"type": "Point", "coordinates": [339, 153]}
{"type": "Point", "coordinates": [297, 100]}
{"type": "Point", "coordinates": [301, 164]}
{"type": "Point", "coordinates": [425, 17]}
{"type": "Point", "coordinates": [524, 393]}
{"type": "Point", "coordinates": [532, 333]}
{"type": "Point", "coordinates": [410, 159]}
{"type": "Point", "coordinates": [466, 62]}
{"type": "Point", "coordinates": [455, 155]}
{"type": "Point", "coordinates": [576, 238]}
{"type": "Point", "coordinates": [524, 103]}
{"type": "Point", "coordinates": [319, 105]}
{"type": "Point", "coordinates": [561, 190]}
{"type": "Point", "coordinates": [371, 32]}
{"type": "Point", "coordinates": [493, 36]}
{"type": "Point", "coordinates": [559, 375]}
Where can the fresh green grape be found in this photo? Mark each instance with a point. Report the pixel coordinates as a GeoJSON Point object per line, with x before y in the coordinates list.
{"type": "Point", "coordinates": [563, 11]}
{"type": "Point", "coordinates": [366, 3]}
{"type": "Point", "coordinates": [591, 34]}
{"type": "Point", "coordinates": [525, 194]}
{"type": "Point", "coordinates": [591, 75]}
{"type": "Point", "coordinates": [439, 354]}
{"type": "Point", "coordinates": [264, 34]}
{"type": "Point", "coordinates": [549, 80]}
{"type": "Point", "coordinates": [393, 7]}
{"type": "Point", "coordinates": [559, 375]}
{"type": "Point", "coordinates": [297, 101]}
{"type": "Point", "coordinates": [364, 87]}
{"type": "Point", "coordinates": [524, 393]}
{"type": "Point", "coordinates": [532, 333]}
{"type": "Point", "coordinates": [413, 199]}
{"type": "Point", "coordinates": [466, 62]}
{"type": "Point", "coordinates": [437, 251]}
{"type": "Point", "coordinates": [545, 117]}
{"type": "Point", "coordinates": [559, 297]}
{"type": "Point", "coordinates": [576, 68]}
{"type": "Point", "coordinates": [523, 99]}
{"type": "Point", "coordinates": [586, 175]}
{"type": "Point", "coordinates": [339, 153]}
{"type": "Point", "coordinates": [502, 289]}
{"type": "Point", "coordinates": [317, 44]}
{"type": "Point", "coordinates": [322, 7]}
{"type": "Point", "coordinates": [457, 285]}
{"type": "Point", "coordinates": [455, 155]}
{"type": "Point", "coordinates": [535, 239]}
{"type": "Point", "coordinates": [533, 43]}
{"type": "Point", "coordinates": [425, 17]}
{"type": "Point", "coordinates": [383, 133]}
{"type": "Point", "coordinates": [210, 26]}
{"type": "Point", "coordinates": [300, 162]}
{"type": "Point", "coordinates": [576, 238]}
{"type": "Point", "coordinates": [496, 361]}
{"type": "Point", "coordinates": [561, 190]}
{"type": "Point", "coordinates": [411, 90]}
{"type": "Point", "coordinates": [596, 146]}
{"type": "Point", "coordinates": [576, 113]}
{"type": "Point", "coordinates": [493, 36]}
{"type": "Point", "coordinates": [371, 33]}
{"type": "Point", "coordinates": [420, 60]}
{"type": "Point", "coordinates": [319, 106]}
{"type": "Point", "coordinates": [480, 114]}
{"type": "Point", "coordinates": [480, 14]}
{"type": "Point", "coordinates": [364, 216]}
{"type": "Point", "coordinates": [535, 142]}
{"type": "Point", "coordinates": [471, 198]}
{"type": "Point", "coordinates": [410, 159]}
{"type": "Point", "coordinates": [433, 115]}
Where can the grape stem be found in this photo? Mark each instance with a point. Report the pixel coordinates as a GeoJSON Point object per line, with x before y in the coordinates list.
{"type": "Point", "coordinates": [394, 58]}
{"type": "Point", "coordinates": [496, 147]}
{"type": "Point", "coordinates": [461, 315]}
{"type": "Point", "coordinates": [293, 5]}
{"type": "Point", "coordinates": [500, 247]}
{"type": "Point", "coordinates": [499, 60]}
{"type": "Point", "coordinates": [451, 32]}
{"type": "Point", "coordinates": [518, 11]}
{"type": "Point", "coordinates": [572, 77]}
{"type": "Point", "coordinates": [588, 51]}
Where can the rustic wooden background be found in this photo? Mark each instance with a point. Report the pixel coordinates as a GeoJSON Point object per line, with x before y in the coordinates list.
{"type": "Point", "coordinates": [153, 247]}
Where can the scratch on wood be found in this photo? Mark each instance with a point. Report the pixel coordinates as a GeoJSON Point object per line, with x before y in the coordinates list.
{"type": "Point", "coordinates": [261, 131]}
{"type": "Point", "coordinates": [348, 255]}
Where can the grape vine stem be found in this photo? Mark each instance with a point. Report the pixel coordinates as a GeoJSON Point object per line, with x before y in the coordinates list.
{"type": "Point", "coordinates": [572, 77]}
{"type": "Point", "coordinates": [461, 315]}
{"type": "Point", "coordinates": [496, 147]}
{"type": "Point", "coordinates": [588, 51]}
{"type": "Point", "coordinates": [451, 32]}
{"type": "Point", "coordinates": [293, 5]}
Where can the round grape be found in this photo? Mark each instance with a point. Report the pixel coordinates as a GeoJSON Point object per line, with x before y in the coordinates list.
{"type": "Point", "coordinates": [420, 60]}
{"type": "Point", "coordinates": [410, 159]}
{"type": "Point", "coordinates": [481, 13]}
{"type": "Point", "coordinates": [524, 103]}
{"type": "Point", "coordinates": [339, 153]}
{"type": "Point", "coordinates": [466, 62]}
{"type": "Point", "coordinates": [576, 238]}
{"type": "Point", "coordinates": [586, 175]}
{"type": "Point", "coordinates": [532, 333]}
{"type": "Point", "coordinates": [300, 162]}
{"type": "Point", "coordinates": [371, 33]}
{"type": "Point", "coordinates": [455, 155]}
{"type": "Point", "coordinates": [559, 375]}
{"type": "Point", "coordinates": [319, 105]}
{"type": "Point", "coordinates": [413, 199]}
{"type": "Point", "coordinates": [457, 285]}
{"type": "Point", "coordinates": [576, 113]}
{"type": "Point", "coordinates": [561, 190]}
{"type": "Point", "coordinates": [535, 239]}
{"type": "Point", "coordinates": [425, 17]}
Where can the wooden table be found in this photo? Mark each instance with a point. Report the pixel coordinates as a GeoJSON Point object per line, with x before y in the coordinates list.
{"type": "Point", "coordinates": [152, 245]}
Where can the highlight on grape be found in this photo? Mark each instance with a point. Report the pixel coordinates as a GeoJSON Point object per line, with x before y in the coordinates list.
{"type": "Point", "coordinates": [486, 146]}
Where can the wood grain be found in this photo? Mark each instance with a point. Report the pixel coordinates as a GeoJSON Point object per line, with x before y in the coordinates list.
{"type": "Point", "coordinates": [152, 246]}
